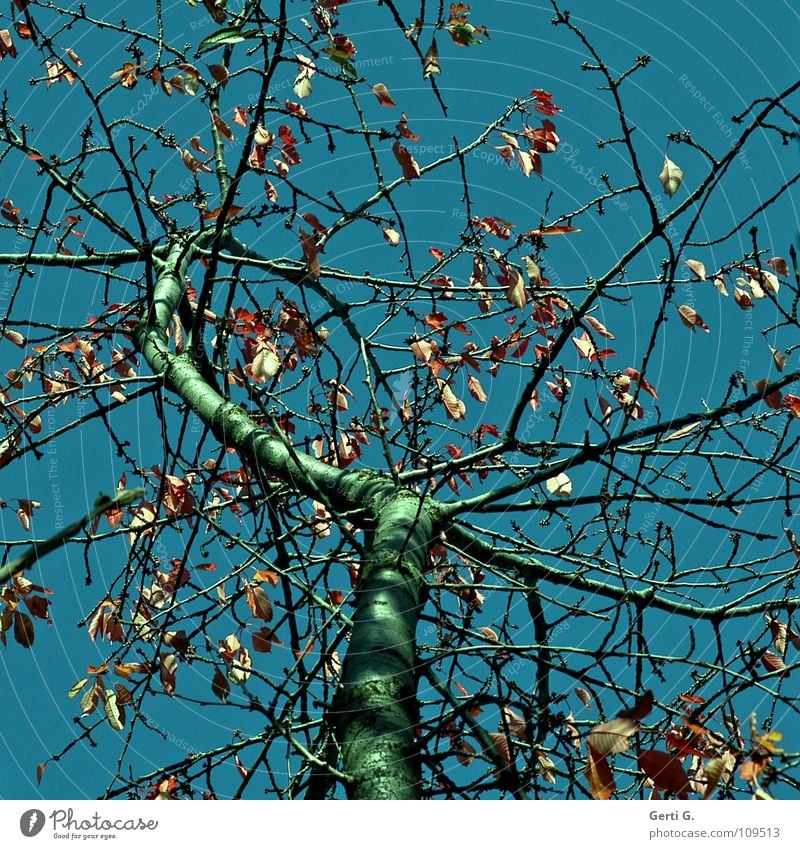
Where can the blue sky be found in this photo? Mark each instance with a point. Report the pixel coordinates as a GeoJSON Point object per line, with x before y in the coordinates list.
{"type": "Point", "coordinates": [709, 60]}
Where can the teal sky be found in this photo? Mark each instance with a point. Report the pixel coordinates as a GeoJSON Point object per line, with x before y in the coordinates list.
{"type": "Point", "coordinates": [709, 61]}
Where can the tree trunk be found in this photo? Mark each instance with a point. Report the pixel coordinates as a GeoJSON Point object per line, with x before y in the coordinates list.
{"type": "Point", "coordinates": [375, 710]}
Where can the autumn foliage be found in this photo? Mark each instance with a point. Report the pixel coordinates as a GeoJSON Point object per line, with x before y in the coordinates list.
{"type": "Point", "coordinates": [551, 461]}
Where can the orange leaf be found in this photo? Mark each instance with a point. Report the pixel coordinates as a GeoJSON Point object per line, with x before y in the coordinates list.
{"type": "Point", "coordinates": [411, 169]}
{"type": "Point", "coordinates": [553, 230]}
{"type": "Point", "coordinates": [599, 775]}
{"type": "Point", "coordinates": [213, 215]}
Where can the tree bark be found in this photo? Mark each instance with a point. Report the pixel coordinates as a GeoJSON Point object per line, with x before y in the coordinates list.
{"type": "Point", "coordinates": [375, 710]}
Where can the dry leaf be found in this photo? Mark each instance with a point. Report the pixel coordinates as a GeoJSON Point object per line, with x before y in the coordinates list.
{"type": "Point", "coordinates": [671, 177]}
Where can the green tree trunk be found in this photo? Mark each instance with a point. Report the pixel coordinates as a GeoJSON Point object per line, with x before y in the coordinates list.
{"type": "Point", "coordinates": [375, 710]}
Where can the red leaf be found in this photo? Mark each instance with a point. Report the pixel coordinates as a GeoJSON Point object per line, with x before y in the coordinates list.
{"type": "Point", "coordinates": [774, 663]}
{"type": "Point", "coordinates": [792, 403]}
{"type": "Point", "coordinates": [666, 772]}
{"type": "Point", "coordinates": [544, 102]}
{"type": "Point", "coordinates": [23, 629]}
{"type": "Point", "coordinates": [642, 708]}
{"type": "Point", "coordinates": [779, 264]}
{"type": "Point", "coordinates": [220, 686]}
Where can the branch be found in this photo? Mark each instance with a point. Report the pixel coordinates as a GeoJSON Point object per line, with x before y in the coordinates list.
{"type": "Point", "coordinates": [532, 570]}
{"type": "Point", "coordinates": [596, 450]}
{"type": "Point", "coordinates": [38, 550]}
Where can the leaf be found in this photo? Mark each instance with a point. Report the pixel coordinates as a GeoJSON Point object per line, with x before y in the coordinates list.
{"type": "Point", "coordinates": [25, 511]}
{"type": "Point", "coordinates": [220, 686]}
{"type": "Point", "coordinates": [697, 267]}
{"type": "Point", "coordinates": [168, 664]}
{"type": "Point", "coordinates": [599, 775]}
{"type": "Point", "coordinates": [792, 403]}
{"type": "Point", "coordinates": [583, 695]}
{"type": "Point", "coordinates": [598, 327]}
{"type": "Point", "coordinates": [544, 102]}
{"type": "Point", "coordinates": [430, 62]}
{"type": "Point", "coordinates": [223, 127]}
{"type": "Point", "coordinates": [226, 35]}
{"type": "Point", "coordinates": [772, 397]}
{"type": "Point", "coordinates": [553, 230]}
{"type": "Point", "coordinates": [411, 169]}
{"type": "Point", "coordinates": [259, 603]}
{"type": "Point", "coordinates": [124, 695]}
{"type": "Point", "coordinates": [475, 389]}
{"type": "Point", "coordinates": [216, 8]}
{"type": "Point", "coordinates": [773, 663]}
{"type": "Point", "coordinates": [127, 75]}
{"type": "Point", "coordinates": [455, 408]}
{"type": "Point", "coordinates": [671, 177]}
{"type": "Point", "coordinates": [7, 47]}
{"type": "Point", "coordinates": [77, 687]}
{"type": "Point", "coordinates": [713, 770]}
{"type": "Point", "coordinates": [501, 745]}
{"type": "Point", "coordinates": [517, 726]}
{"type": "Point", "coordinates": [779, 358]}
{"type": "Point", "coordinates": [779, 264]}
{"type": "Point", "coordinates": [192, 163]}
{"type": "Point", "coordinates": [743, 300]}
{"type": "Point", "coordinates": [302, 84]}
{"type": "Point", "coordinates": [641, 709]}
{"type": "Point", "coordinates": [546, 767]}
{"type": "Point", "coordinates": [382, 93]}
{"type": "Point", "coordinates": [196, 143]}
{"type": "Point", "coordinates": [515, 289]}
{"type": "Point", "coordinates": [691, 318]}
{"type": "Point", "coordinates": [683, 431]}
{"type": "Point", "coordinates": [23, 629]}
{"type": "Point", "coordinates": [40, 772]}
{"type": "Point", "coordinates": [560, 486]}
{"type": "Point", "coordinates": [264, 639]}
{"type": "Point", "coordinates": [220, 74]}
{"type": "Point", "coordinates": [243, 771]}
{"type": "Point", "coordinates": [213, 215]}
{"type": "Point", "coordinates": [91, 698]}
{"type": "Point", "coordinates": [114, 713]}
{"type": "Point", "coordinates": [719, 285]}
{"type": "Point", "coordinates": [610, 738]}
{"type": "Point", "coordinates": [465, 752]}
{"type": "Point", "coordinates": [391, 236]}
{"type": "Point", "coordinates": [665, 771]}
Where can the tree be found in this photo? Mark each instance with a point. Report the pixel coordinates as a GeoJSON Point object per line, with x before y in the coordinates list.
{"type": "Point", "coordinates": [393, 519]}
